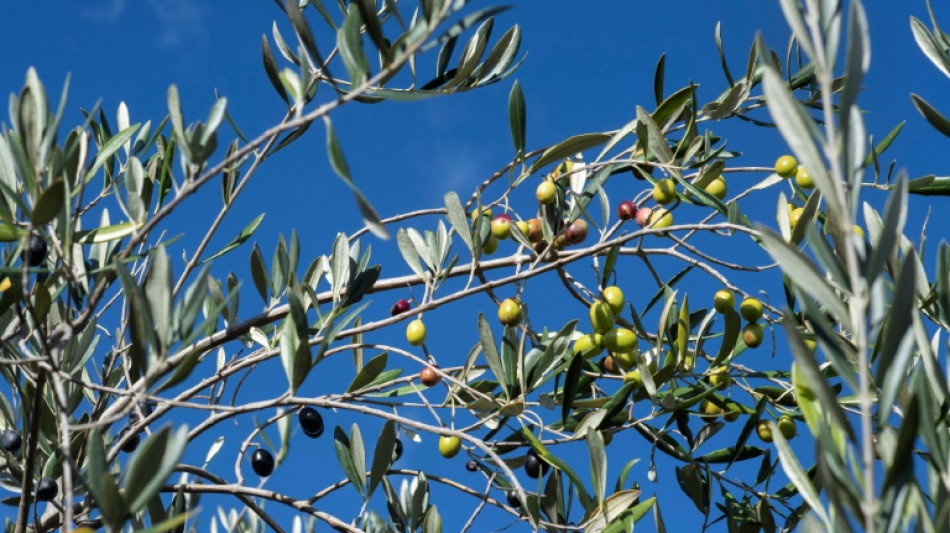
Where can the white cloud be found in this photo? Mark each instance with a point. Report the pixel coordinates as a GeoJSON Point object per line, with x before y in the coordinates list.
{"type": "Point", "coordinates": [182, 21]}
{"type": "Point", "coordinates": [179, 22]}
{"type": "Point", "coordinates": [105, 11]}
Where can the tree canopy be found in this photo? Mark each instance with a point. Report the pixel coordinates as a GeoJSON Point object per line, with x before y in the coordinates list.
{"type": "Point", "coordinates": [597, 314]}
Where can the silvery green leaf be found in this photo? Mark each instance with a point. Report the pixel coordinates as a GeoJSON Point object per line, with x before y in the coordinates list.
{"type": "Point", "coordinates": [517, 117]}
{"type": "Point", "coordinates": [456, 216]}
{"type": "Point", "coordinates": [804, 274]}
{"type": "Point", "coordinates": [798, 130]}
{"type": "Point", "coordinates": [929, 46]}
{"type": "Point", "coordinates": [409, 253]}
{"type": "Point", "coordinates": [152, 463]}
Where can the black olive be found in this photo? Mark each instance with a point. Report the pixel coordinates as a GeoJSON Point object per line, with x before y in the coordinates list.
{"type": "Point", "coordinates": [37, 251]}
{"type": "Point", "coordinates": [534, 466]}
{"type": "Point", "coordinates": [131, 444]}
{"type": "Point", "coordinates": [46, 489]}
{"type": "Point", "coordinates": [397, 450]}
{"type": "Point", "coordinates": [10, 440]}
{"type": "Point", "coordinates": [262, 462]}
{"type": "Point", "coordinates": [311, 422]}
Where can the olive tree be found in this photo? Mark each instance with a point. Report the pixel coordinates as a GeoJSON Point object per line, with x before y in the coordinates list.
{"type": "Point", "coordinates": [141, 388]}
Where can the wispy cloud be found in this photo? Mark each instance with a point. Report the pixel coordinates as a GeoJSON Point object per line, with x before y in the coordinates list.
{"type": "Point", "coordinates": [179, 22]}
{"type": "Point", "coordinates": [183, 22]}
{"type": "Point", "coordinates": [104, 11]}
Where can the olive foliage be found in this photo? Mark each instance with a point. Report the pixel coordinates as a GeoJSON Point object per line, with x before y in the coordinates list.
{"type": "Point", "coordinates": [107, 341]}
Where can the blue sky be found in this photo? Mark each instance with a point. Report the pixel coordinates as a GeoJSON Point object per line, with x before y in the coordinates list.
{"type": "Point", "coordinates": [587, 69]}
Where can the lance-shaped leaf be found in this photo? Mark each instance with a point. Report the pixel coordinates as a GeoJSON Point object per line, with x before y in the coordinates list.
{"type": "Point", "coordinates": [793, 469]}
{"type": "Point", "coordinates": [612, 508]}
{"type": "Point", "coordinates": [490, 349]}
{"type": "Point", "coordinates": [152, 463]}
{"type": "Point", "coordinates": [140, 322]}
{"type": "Point", "coordinates": [569, 147]}
{"type": "Point", "coordinates": [930, 46]}
{"type": "Point", "coordinates": [368, 373]}
{"type": "Point", "coordinates": [798, 130]}
{"type": "Point", "coordinates": [456, 215]}
{"type": "Point", "coordinates": [598, 464]}
{"type": "Point", "coordinates": [804, 274]}
{"type": "Point", "coordinates": [271, 69]}
{"type": "Point", "coordinates": [345, 452]}
{"type": "Point", "coordinates": [119, 139]}
{"type": "Point", "coordinates": [810, 384]}
{"type": "Point", "coordinates": [101, 484]}
{"type": "Point", "coordinates": [240, 239]}
{"type": "Point", "coordinates": [655, 142]}
{"type": "Point", "coordinates": [350, 44]}
{"type": "Point", "coordinates": [158, 292]}
{"type": "Point", "coordinates": [383, 455]}
{"type": "Point", "coordinates": [259, 273]}
{"type": "Point", "coordinates": [338, 163]}
{"type": "Point", "coordinates": [929, 112]}
{"type": "Point", "coordinates": [517, 117]}
{"type": "Point", "coordinates": [49, 204]}
{"type": "Point", "coordinates": [294, 345]}
{"type": "Point", "coordinates": [892, 228]}
{"type": "Point", "coordinates": [561, 465]}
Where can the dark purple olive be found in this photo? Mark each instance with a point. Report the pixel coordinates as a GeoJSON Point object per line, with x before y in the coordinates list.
{"type": "Point", "coordinates": [534, 466]}
{"type": "Point", "coordinates": [10, 440]}
{"type": "Point", "coordinates": [46, 489]}
{"type": "Point", "coordinates": [311, 422]}
{"type": "Point", "coordinates": [146, 409]}
{"type": "Point", "coordinates": [130, 445]}
{"type": "Point", "coordinates": [400, 307]}
{"type": "Point", "coordinates": [471, 465]}
{"type": "Point", "coordinates": [397, 450]}
{"type": "Point", "coordinates": [37, 251]}
{"type": "Point", "coordinates": [513, 500]}
{"type": "Point", "coordinates": [262, 462]}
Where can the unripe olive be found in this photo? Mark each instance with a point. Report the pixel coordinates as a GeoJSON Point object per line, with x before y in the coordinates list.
{"type": "Point", "coordinates": [751, 309]}
{"type": "Point", "coordinates": [633, 377]}
{"type": "Point", "coordinates": [501, 226]}
{"type": "Point", "coordinates": [717, 188]}
{"type": "Point", "coordinates": [589, 345]}
{"type": "Point", "coordinates": [786, 166]}
{"type": "Point", "coordinates": [449, 446]}
{"type": "Point", "coordinates": [719, 377]}
{"type": "Point", "coordinates": [547, 192]}
{"type": "Point", "coordinates": [787, 426]}
{"type": "Point", "coordinates": [509, 312]}
{"type": "Point", "coordinates": [626, 360]}
{"type": "Point", "coordinates": [601, 317]}
{"type": "Point", "coordinates": [643, 216]}
{"type": "Point", "coordinates": [416, 332]}
{"type": "Point", "coordinates": [664, 191]}
{"type": "Point", "coordinates": [490, 245]}
{"type": "Point", "coordinates": [535, 233]}
{"type": "Point", "coordinates": [619, 340]}
{"type": "Point", "coordinates": [752, 334]}
{"type": "Point", "coordinates": [661, 218]}
{"type": "Point", "coordinates": [803, 178]}
{"type": "Point", "coordinates": [614, 297]}
{"type": "Point", "coordinates": [724, 301]}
